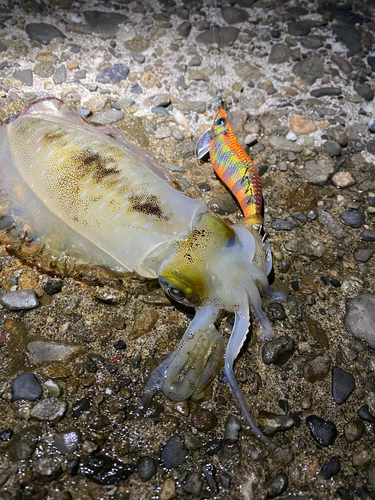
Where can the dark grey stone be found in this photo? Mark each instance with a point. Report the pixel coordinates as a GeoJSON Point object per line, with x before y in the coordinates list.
{"type": "Point", "coordinates": [325, 91]}
{"type": "Point", "coordinates": [371, 125]}
{"type": "Point", "coordinates": [173, 453]}
{"type": "Point", "coordinates": [6, 221]}
{"type": "Point", "coordinates": [184, 29]}
{"type": "Point", "coordinates": [277, 351]}
{"type": "Point", "coordinates": [281, 224]}
{"type": "Point", "coordinates": [43, 32]}
{"type": "Point", "coordinates": [350, 36]}
{"type": "Point", "coordinates": [309, 69]}
{"type": "Point", "coordinates": [367, 235]}
{"type": "Point", "coordinates": [3, 47]}
{"type": "Point", "coordinates": [223, 36]}
{"type": "Point", "coordinates": [277, 485]}
{"type": "Point", "coordinates": [60, 75]}
{"type": "Point", "coordinates": [353, 218]}
{"type": "Point", "coordinates": [102, 469]}
{"type": "Point", "coordinates": [343, 384]}
{"type": "Point", "coordinates": [332, 468]}
{"type": "Point", "coordinates": [27, 387]}
{"type": "Point", "coordinates": [365, 414]}
{"type": "Point", "coordinates": [312, 42]}
{"type": "Point", "coordinates": [193, 485]}
{"type": "Point", "coordinates": [363, 254]}
{"type": "Point", "coordinates": [104, 22]}
{"type": "Point", "coordinates": [107, 117]}
{"type": "Point", "coordinates": [146, 468]}
{"type": "Point", "coordinates": [139, 58]}
{"type": "Point", "coordinates": [209, 471]}
{"type": "Point", "coordinates": [114, 74]}
{"type": "Point", "coordinates": [322, 431]}
{"type": "Point", "coordinates": [364, 90]}
{"type": "Point", "coordinates": [332, 148]}
{"type": "Point", "coordinates": [299, 28]}
{"type": "Point", "coordinates": [232, 15]}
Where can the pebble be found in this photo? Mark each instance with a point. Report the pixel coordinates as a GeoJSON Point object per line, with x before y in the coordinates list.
{"type": "Point", "coordinates": [225, 35]}
{"type": "Point", "coordinates": [281, 224]}
{"type": "Point", "coordinates": [353, 218]}
{"type": "Point", "coordinates": [272, 423]}
{"type": "Point", "coordinates": [26, 386]}
{"type": "Point", "coordinates": [83, 111]}
{"type": "Point", "coordinates": [310, 248]}
{"type": "Point", "coordinates": [43, 32]}
{"type": "Point", "coordinates": [125, 102]}
{"type": "Point", "coordinates": [162, 132]}
{"type": "Point", "coordinates": [184, 29]}
{"type": "Point", "coordinates": [365, 414]}
{"type": "Point", "coordinates": [342, 63]}
{"type": "Point", "coordinates": [368, 235]}
{"type": "Point", "coordinates": [146, 468]}
{"type": "Point", "coordinates": [299, 28]}
{"type": "Point", "coordinates": [332, 468]}
{"type": "Point", "coordinates": [353, 430]}
{"type": "Point", "coordinates": [104, 470]}
{"type": "Point", "coordinates": [331, 226]}
{"type": "Point", "coordinates": [193, 484]}
{"type": "Point", "coordinates": [371, 125]}
{"type": "Point", "coordinates": [343, 384]}
{"type": "Point", "coordinates": [53, 286]}
{"type": "Point", "coordinates": [350, 37]}
{"type": "Point", "coordinates": [360, 317]}
{"type": "Point", "coordinates": [363, 254]}
{"type": "Point", "coordinates": [233, 15]}
{"type": "Point", "coordinates": [301, 125]}
{"type": "Point", "coordinates": [25, 76]}
{"type": "Point", "coordinates": [212, 447]}
{"type": "Point", "coordinates": [318, 171]}
{"type": "Point", "coordinates": [312, 42]}
{"type": "Point", "coordinates": [270, 123]}
{"type": "Point", "coordinates": [231, 428]}
{"type": "Point", "coordinates": [277, 311]}
{"type": "Point", "coordinates": [248, 72]}
{"type": "Point", "coordinates": [107, 117]}
{"type": "Point", "coordinates": [209, 471]}
{"type": "Point", "coordinates": [24, 443]}
{"type": "Point", "coordinates": [19, 300]}
{"type": "Point", "coordinates": [277, 351]}
{"type": "Point", "coordinates": [362, 456]}
{"type": "Point", "coordinates": [343, 179]}
{"type": "Point", "coordinates": [50, 410]}
{"type": "Point", "coordinates": [329, 280]}
{"type": "Point", "coordinates": [323, 91]}
{"type": "Point", "coordinates": [324, 432]}
{"type": "Point", "coordinates": [309, 69]}
{"type": "Point", "coordinates": [317, 368]}
{"type": "Point", "coordinates": [173, 453]}
{"type": "Point", "coordinates": [6, 434]}
{"type": "Point", "coordinates": [280, 53]}
{"type": "Point", "coordinates": [48, 468]}
{"type": "Point", "coordinates": [44, 351]}
{"type": "Point", "coordinates": [104, 22]}
{"type": "Point", "coordinates": [203, 420]}
{"type": "Point", "coordinates": [280, 143]}
{"type": "Point", "coordinates": [68, 441]}
{"type": "Point", "coordinates": [277, 485]}
{"type": "Point", "coordinates": [113, 74]}
{"type": "Point", "coordinates": [332, 148]}
{"type": "Point", "coordinates": [223, 204]}
{"type": "Point", "coordinates": [168, 489]}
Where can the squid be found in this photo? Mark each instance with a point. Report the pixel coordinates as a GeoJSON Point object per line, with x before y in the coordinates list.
{"type": "Point", "coordinates": [91, 192]}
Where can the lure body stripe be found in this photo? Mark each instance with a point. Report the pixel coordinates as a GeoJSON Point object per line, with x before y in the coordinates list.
{"type": "Point", "coordinates": [234, 167]}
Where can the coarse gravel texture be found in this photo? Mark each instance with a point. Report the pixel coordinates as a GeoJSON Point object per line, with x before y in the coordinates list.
{"type": "Point", "coordinates": [298, 79]}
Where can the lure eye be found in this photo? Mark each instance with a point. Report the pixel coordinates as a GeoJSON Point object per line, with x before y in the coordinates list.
{"type": "Point", "coordinates": [176, 294]}
{"type": "Point", "coordinates": [221, 121]}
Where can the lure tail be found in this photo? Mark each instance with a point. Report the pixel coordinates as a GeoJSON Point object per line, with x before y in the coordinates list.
{"type": "Point", "coordinates": [235, 168]}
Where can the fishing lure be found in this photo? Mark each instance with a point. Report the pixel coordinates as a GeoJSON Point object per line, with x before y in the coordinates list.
{"type": "Point", "coordinates": [89, 191]}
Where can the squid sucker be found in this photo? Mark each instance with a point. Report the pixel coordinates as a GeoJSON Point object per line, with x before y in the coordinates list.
{"type": "Point", "coordinates": [90, 189]}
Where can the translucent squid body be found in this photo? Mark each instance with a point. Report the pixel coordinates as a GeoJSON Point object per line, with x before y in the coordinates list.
{"type": "Point", "coordinates": [91, 191]}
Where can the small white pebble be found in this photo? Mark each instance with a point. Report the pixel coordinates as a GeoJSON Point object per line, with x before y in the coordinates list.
{"type": "Point", "coordinates": [291, 136]}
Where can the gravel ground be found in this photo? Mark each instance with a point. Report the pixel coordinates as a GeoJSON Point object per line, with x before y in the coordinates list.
{"type": "Point", "coordinates": [76, 352]}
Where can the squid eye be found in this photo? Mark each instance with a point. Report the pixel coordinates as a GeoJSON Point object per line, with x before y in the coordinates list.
{"type": "Point", "coordinates": [221, 121]}
{"type": "Point", "coordinates": [176, 294]}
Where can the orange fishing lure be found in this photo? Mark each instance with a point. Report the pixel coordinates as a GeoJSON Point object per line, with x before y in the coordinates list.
{"type": "Point", "coordinates": [235, 168]}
